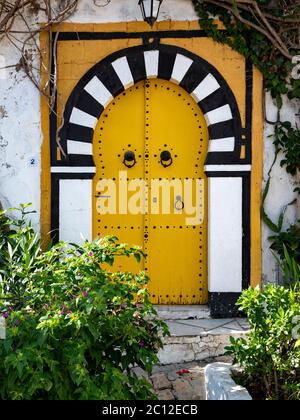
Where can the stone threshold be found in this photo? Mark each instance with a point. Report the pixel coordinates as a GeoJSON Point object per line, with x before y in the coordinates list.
{"type": "Point", "coordinates": [174, 312]}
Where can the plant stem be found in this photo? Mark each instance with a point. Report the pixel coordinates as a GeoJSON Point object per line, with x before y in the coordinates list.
{"type": "Point", "coordinates": [276, 383]}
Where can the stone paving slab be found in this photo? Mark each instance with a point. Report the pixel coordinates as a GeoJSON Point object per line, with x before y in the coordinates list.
{"type": "Point", "coordinates": [180, 329]}
{"type": "Point", "coordinates": [244, 323]}
{"type": "Point", "coordinates": [212, 326]}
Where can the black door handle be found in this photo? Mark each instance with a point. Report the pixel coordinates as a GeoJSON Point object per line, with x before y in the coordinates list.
{"type": "Point", "coordinates": [166, 158]}
{"type": "Point", "coordinates": [129, 159]}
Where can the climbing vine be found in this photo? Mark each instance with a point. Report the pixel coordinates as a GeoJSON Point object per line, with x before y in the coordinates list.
{"type": "Point", "coordinates": [268, 33]}
{"type": "Point", "coordinates": [21, 23]}
{"type": "Point", "coordinates": [265, 31]}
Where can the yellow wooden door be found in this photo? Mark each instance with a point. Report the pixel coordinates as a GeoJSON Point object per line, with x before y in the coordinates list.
{"type": "Point", "coordinates": [163, 128]}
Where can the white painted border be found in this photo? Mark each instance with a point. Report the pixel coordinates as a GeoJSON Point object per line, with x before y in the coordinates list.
{"type": "Point", "coordinates": [73, 170]}
{"type": "Point", "coordinates": [180, 68]}
{"type": "Point", "coordinates": [223, 113]}
{"type": "Point", "coordinates": [83, 118]}
{"type": "Point", "coordinates": [98, 91]}
{"type": "Point", "coordinates": [225, 232]}
{"type": "Point", "coordinates": [79, 148]}
{"type": "Point", "coordinates": [123, 71]}
{"type": "Point", "coordinates": [225, 144]}
{"type": "Point", "coordinates": [208, 86]}
{"type": "Point", "coordinates": [75, 210]}
{"type": "Point", "coordinates": [227, 168]}
{"type": "Point", "coordinates": [151, 63]}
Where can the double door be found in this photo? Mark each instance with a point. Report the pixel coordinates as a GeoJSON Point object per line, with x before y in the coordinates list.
{"type": "Point", "coordinates": [150, 188]}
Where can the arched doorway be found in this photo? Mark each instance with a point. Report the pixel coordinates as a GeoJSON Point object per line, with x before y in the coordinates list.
{"type": "Point", "coordinates": [232, 199]}
{"type": "Point", "coordinates": [163, 184]}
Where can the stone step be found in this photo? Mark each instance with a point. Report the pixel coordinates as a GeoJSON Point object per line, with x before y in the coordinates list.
{"type": "Point", "coordinates": [199, 339]}
{"type": "Point", "coordinates": [174, 312]}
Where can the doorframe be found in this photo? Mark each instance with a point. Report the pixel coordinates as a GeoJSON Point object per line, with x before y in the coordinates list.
{"type": "Point", "coordinates": [222, 167]}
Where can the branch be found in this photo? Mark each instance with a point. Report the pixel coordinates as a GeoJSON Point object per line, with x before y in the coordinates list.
{"type": "Point", "coordinates": [10, 14]}
{"type": "Point", "coordinates": [267, 30]}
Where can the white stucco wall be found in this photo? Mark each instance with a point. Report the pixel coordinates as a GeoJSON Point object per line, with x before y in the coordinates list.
{"type": "Point", "coordinates": [20, 137]}
{"type": "Point", "coordinates": [128, 10]}
{"type": "Point", "coordinates": [281, 188]}
{"type": "Point", "coordinates": [20, 129]}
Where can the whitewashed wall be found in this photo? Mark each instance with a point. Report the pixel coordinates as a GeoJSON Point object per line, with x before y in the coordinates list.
{"type": "Point", "coordinates": [128, 10]}
{"type": "Point", "coordinates": [282, 185]}
{"type": "Point", "coordinates": [20, 129]}
{"type": "Point", "coordinates": [20, 137]}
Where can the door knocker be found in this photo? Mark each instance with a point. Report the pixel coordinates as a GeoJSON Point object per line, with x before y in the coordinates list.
{"type": "Point", "coordinates": [179, 204]}
{"type": "Point", "coordinates": [166, 158]}
{"type": "Point", "coordinates": [129, 159]}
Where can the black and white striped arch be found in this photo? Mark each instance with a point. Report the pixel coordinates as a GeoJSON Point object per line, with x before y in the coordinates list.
{"type": "Point", "coordinates": [124, 68]}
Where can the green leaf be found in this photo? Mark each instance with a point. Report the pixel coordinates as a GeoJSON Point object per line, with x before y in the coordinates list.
{"type": "Point", "coordinates": [232, 340]}
{"type": "Point", "coordinates": [137, 256]}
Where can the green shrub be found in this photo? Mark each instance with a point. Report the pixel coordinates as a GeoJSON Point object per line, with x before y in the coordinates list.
{"type": "Point", "coordinates": [75, 327]}
{"type": "Point", "coordinates": [20, 248]}
{"type": "Point", "coordinates": [287, 248]}
{"type": "Point", "coordinates": [289, 239]}
{"type": "Point", "coordinates": [270, 355]}
{"type": "Point", "coordinates": [290, 268]}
